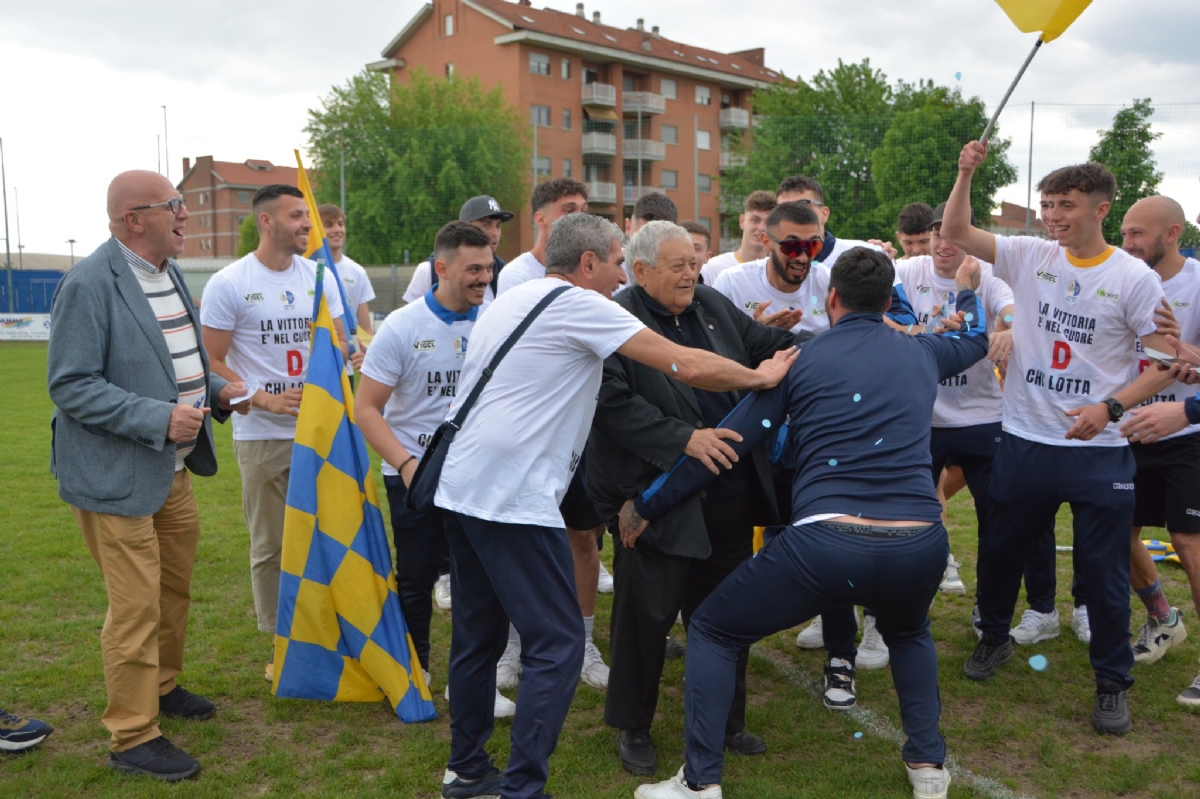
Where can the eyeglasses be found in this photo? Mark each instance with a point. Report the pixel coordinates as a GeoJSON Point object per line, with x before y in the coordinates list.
{"type": "Point", "coordinates": [174, 205]}
{"type": "Point", "coordinates": [809, 202]}
{"type": "Point", "coordinates": [793, 247]}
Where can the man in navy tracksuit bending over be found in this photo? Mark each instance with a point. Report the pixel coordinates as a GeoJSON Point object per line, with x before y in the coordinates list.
{"type": "Point", "coordinates": [867, 522]}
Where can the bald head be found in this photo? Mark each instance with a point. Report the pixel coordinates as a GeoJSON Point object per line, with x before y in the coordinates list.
{"type": "Point", "coordinates": [1160, 210]}
{"type": "Point", "coordinates": [153, 232]}
{"type": "Point", "coordinates": [1151, 230]}
{"type": "Point", "coordinates": [136, 187]}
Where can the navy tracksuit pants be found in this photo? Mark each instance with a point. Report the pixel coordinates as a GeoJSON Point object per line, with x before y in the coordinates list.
{"type": "Point", "coordinates": [420, 549]}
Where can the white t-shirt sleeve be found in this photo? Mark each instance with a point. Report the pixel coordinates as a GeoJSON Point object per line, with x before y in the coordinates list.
{"type": "Point", "coordinates": [333, 298]}
{"type": "Point", "coordinates": [509, 278]}
{"type": "Point", "coordinates": [384, 362]}
{"type": "Point", "coordinates": [421, 282]}
{"type": "Point", "coordinates": [999, 296]}
{"type": "Point", "coordinates": [1014, 251]}
{"type": "Point", "coordinates": [1144, 296]}
{"type": "Point", "coordinates": [363, 290]}
{"type": "Point", "coordinates": [724, 282]}
{"type": "Point", "coordinates": [599, 324]}
{"type": "Point", "coordinates": [219, 304]}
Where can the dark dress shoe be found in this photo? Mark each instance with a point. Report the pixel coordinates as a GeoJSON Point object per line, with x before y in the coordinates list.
{"type": "Point", "coordinates": [674, 649]}
{"type": "Point", "coordinates": [183, 704]}
{"type": "Point", "coordinates": [636, 749]}
{"type": "Point", "coordinates": [157, 758]}
{"type": "Point", "coordinates": [745, 743]}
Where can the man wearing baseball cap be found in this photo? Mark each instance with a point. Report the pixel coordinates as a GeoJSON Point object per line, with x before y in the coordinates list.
{"type": "Point", "coordinates": [483, 212]}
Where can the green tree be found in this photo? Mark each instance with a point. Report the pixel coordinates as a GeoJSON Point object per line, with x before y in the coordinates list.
{"type": "Point", "coordinates": [1125, 150]}
{"type": "Point", "coordinates": [413, 153]}
{"type": "Point", "coordinates": [247, 240]}
{"type": "Point", "coordinates": [918, 157]}
{"type": "Point", "coordinates": [1190, 236]}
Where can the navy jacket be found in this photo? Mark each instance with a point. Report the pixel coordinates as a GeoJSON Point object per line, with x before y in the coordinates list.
{"type": "Point", "coordinates": [859, 407]}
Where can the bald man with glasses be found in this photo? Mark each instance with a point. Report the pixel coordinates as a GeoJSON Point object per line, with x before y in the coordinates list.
{"type": "Point", "coordinates": [133, 397]}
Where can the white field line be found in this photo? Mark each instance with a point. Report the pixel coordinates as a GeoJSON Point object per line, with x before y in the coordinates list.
{"type": "Point", "coordinates": [882, 727]}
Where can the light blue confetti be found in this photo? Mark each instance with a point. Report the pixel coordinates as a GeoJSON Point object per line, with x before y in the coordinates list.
{"type": "Point", "coordinates": [970, 317]}
{"type": "Point", "coordinates": [857, 397]}
{"type": "Point", "coordinates": [766, 422]}
{"type": "Point", "coordinates": [674, 368]}
{"type": "Point", "coordinates": [1038, 663]}
{"type": "Point", "coordinates": [851, 584]}
{"type": "Point", "coordinates": [880, 441]}
{"type": "Point", "coordinates": [858, 735]}
{"type": "Point", "coordinates": [814, 299]}
{"type": "Point", "coordinates": [953, 336]}
{"type": "Point", "coordinates": [1008, 318]}
{"type": "Point", "coordinates": [958, 76]}
{"type": "Point", "coordinates": [833, 461]}
{"type": "Point", "coordinates": [910, 327]}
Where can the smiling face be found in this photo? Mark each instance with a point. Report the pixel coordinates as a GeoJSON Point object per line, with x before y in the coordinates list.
{"type": "Point", "coordinates": [154, 232]}
{"type": "Point", "coordinates": [914, 244]}
{"type": "Point", "coordinates": [787, 273]}
{"type": "Point", "coordinates": [335, 230]}
{"type": "Point", "coordinates": [1072, 219]}
{"type": "Point", "coordinates": [465, 276]}
{"type": "Point", "coordinates": [672, 280]}
{"type": "Point", "coordinates": [946, 257]}
{"type": "Point", "coordinates": [284, 223]}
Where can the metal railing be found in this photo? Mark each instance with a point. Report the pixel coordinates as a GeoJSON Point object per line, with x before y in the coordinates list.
{"type": "Point", "coordinates": [729, 159]}
{"type": "Point", "coordinates": [735, 118]}
{"type": "Point", "coordinates": [600, 94]}
{"type": "Point", "coordinates": [601, 192]}
{"type": "Point", "coordinates": [635, 193]}
{"type": "Point", "coordinates": [596, 143]}
{"type": "Point", "coordinates": [645, 102]}
{"type": "Point", "coordinates": [643, 150]}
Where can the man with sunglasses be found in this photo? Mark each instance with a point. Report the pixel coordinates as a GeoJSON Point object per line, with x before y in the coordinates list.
{"type": "Point", "coordinates": [133, 396]}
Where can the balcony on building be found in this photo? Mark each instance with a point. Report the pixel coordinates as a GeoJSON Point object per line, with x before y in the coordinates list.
{"type": "Point", "coordinates": [635, 193]}
{"type": "Point", "coordinates": [735, 119]}
{"type": "Point", "coordinates": [599, 95]}
{"type": "Point", "coordinates": [596, 143]}
{"type": "Point", "coordinates": [601, 193]}
{"type": "Point", "coordinates": [643, 150]}
{"type": "Point", "coordinates": [729, 159]}
{"type": "Point", "coordinates": [643, 102]}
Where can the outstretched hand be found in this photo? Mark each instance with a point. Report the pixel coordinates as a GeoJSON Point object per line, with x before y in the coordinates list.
{"type": "Point", "coordinates": [772, 371]}
{"type": "Point", "coordinates": [785, 319]}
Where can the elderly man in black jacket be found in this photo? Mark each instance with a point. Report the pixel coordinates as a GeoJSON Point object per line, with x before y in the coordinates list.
{"type": "Point", "coordinates": [644, 421]}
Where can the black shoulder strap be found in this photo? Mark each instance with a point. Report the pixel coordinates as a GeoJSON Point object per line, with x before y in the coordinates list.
{"type": "Point", "coordinates": [461, 416]}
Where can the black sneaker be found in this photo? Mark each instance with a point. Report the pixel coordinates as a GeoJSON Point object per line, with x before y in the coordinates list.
{"type": "Point", "coordinates": [183, 704]}
{"type": "Point", "coordinates": [157, 758]}
{"type": "Point", "coordinates": [674, 649]}
{"type": "Point", "coordinates": [988, 657]}
{"type": "Point", "coordinates": [745, 743]}
{"type": "Point", "coordinates": [485, 787]}
{"type": "Point", "coordinates": [840, 693]}
{"type": "Point", "coordinates": [18, 733]}
{"type": "Point", "coordinates": [1111, 713]}
{"type": "Point", "coordinates": [636, 750]}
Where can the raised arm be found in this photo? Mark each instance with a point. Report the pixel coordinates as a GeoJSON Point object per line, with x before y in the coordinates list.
{"type": "Point", "coordinates": [704, 370]}
{"type": "Point", "coordinates": [956, 225]}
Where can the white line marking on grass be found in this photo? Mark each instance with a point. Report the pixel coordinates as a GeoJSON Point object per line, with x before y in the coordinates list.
{"type": "Point", "coordinates": [882, 727]}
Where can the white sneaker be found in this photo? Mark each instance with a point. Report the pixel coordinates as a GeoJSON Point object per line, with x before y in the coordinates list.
{"type": "Point", "coordinates": [1036, 627]}
{"type": "Point", "coordinates": [1155, 638]}
{"type": "Point", "coordinates": [872, 652]}
{"type": "Point", "coordinates": [605, 584]}
{"type": "Point", "coordinates": [928, 783]}
{"type": "Point", "coordinates": [441, 592]}
{"type": "Point", "coordinates": [951, 582]}
{"type": "Point", "coordinates": [812, 636]}
{"type": "Point", "coordinates": [503, 707]}
{"type": "Point", "coordinates": [594, 672]}
{"type": "Point", "coordinates": [976, 622]}
{"type": "Point", "coordinates": [1081, 625]}
{"type": "Point", "coordinates": [839, 689]}
{"type": "Point", "coordinates": [508, 670]}
{"type": "Point", "coordinates": [1190, 697]}
{"type": "Point", "coordinates": [675, 788]}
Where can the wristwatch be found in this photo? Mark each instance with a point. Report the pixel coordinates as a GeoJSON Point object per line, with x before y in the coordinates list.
{"type": "Point", "coordinates": [1115, 410]}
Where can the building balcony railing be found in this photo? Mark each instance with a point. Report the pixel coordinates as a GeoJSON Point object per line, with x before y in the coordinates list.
{"type": "Point", "coordinates": [643, 150]}
{"type": "Point", "coordinates": [600, 95]}
{"type": "Point", "coordinates": [635, 193]}
{"type": "Point", "coordinates": [596, 143]}
{"type": "Point", "coordinates": [601, 192]}
{"type": "Point", "coordinates": [729, 159]}
{"type": "Point", "coordinates": [738, 118]}
{"type": "Point", "coordinates": [645, 102]}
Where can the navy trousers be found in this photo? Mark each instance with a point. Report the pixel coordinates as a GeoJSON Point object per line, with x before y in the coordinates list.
{"type": "Point", "coordinates": [799, 573]}
{"type": "Point", "coordinates": [1029, 483]}
{"type": "Point", "coordinates": [420, 548]}
{"type": "Point", "coordinates": [524, 573]}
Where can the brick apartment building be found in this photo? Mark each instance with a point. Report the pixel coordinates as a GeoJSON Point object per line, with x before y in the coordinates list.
{"type": "Point", "coordinates": [627, 111]}
{"type": "Point", "coordinates": [1011, 221]}
{"type": "Point", "coordinates": [218, 196]}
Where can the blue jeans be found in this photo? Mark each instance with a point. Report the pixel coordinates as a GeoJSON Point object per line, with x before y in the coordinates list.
{"type": "Point", "coordinates": [799, 573]}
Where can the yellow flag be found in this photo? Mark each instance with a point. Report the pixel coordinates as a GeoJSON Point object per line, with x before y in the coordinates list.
{"type": "Point", "coordinates": [316, 237]}
{"type": "Point", "coordinates": [1051, 17]}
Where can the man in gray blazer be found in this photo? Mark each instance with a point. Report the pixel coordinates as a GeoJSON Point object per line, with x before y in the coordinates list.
{"type": "Point", "coordinates": [133, 393]}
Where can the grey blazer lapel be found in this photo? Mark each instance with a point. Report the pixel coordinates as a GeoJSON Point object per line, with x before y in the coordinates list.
{"type": "Point", "coordinates": [139, 307]}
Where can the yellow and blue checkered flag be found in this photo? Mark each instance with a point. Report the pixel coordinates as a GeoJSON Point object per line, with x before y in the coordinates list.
{"type": "Point", "coordinates": [340, 634]}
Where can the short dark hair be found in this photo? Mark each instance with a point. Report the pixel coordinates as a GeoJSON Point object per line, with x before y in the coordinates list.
{"type": "Point", "coordinates": [274, 191]}
{"type": "Point", "coordinates": [759, 201]}
{"type": "Point", "coordinates": [458, 234]}
{"type": "Point", "coordinates": [551, 190]}
{"type": "Point", "coordinates": [801, 183]}
{"type": "Point", "coordinates": [914, 218]}
{"type": "Point", "coordinates": [863, 278]}
{"type": "Point", "coordinates": [796, 213]}
{"type": "Point", "coordinates": [699, 230]}
{"type": "Point", "coordinates": [655, 207]}
{"type": "Point", "coordinates": [1092, 179]}
{"type": "Point", "coordinates": [326, 210]}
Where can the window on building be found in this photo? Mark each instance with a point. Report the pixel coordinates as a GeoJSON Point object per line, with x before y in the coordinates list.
{"type": "Point", "coordinates": [670, 179]}
{"type": "Point", "coordinates": [703, 95]}
{"type": "Point", "coordinates": [449, 70]}
{"type": "Point", "coordinates": [726, 102]}
{"type": "Point", "coordinates": [449, 23]}
{"type": "Point", "coordinates": [243, 197]}
{"type": "Point", "coordinates": [670, 134]}
{"type": "Point", "coordinates": [566, 69]}
{"type": "Point", "coordinates": [541, 168]}
{"type": "Point", "coordinates": [539, 64]}
{"type": "Point", "coordinates": [703, 140]}
{"type": "Point", "coordinates": [203, 197]}
{"type": "Point", "coordinates": [566, 167]}
{"type": "Point", "coordinates": [629, 82]}
{"type": "Point", "coordinates": [666, 88]}
{"type": "Point", "coordinates": [566, 119]}
{"type": "Point", "coordinates": [704, 183]}
{"type": "Point", "coordinates": [539, 115]}
{"type": "Point", "coordinates": [706, 222]}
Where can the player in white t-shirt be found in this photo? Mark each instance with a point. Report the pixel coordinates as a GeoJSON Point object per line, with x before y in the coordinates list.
{"type": "Point", "coordinates": [256, 317]}
{"type": "Point", "coordinates": [550, 202]}
{"type": "Point", "coordinates": [753, 221]}
{"type": "Point", "coordinates": [354, 279]}
{"type": "Point", "coordinates": [505, 476]}
{"type": "Point", "coordinates": [1082, 306]}
{"type": "Point", "coordinates": [483, 212]}
{"type": "Point", "coordinates": [701, 241]}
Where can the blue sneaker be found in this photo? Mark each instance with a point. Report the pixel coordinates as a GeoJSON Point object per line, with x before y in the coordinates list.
{"type": "Point", "coordinates": [18, 734]}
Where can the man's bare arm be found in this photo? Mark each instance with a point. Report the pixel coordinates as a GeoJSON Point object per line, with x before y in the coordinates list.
{"type": "Point", "coordinates": [705, 370]}
{"type": "Point", "coordinates": [956, 224]}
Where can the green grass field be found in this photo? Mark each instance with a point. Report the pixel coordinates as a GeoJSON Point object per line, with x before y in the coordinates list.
{"type": "Point", "coordinates": [1027, 731]}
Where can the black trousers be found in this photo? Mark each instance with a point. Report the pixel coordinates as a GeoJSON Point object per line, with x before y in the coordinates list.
{"type": "Point", "coordinates": [650, 589]}
{"type": "Point", "coordinates": [420, 550]}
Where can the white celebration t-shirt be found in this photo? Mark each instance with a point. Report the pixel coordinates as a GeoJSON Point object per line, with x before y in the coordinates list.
{"type": "Point", "coordinates": [840, 246]}
{"type": "Point", "coordinates": [1073, 334]}
{"type": "Point", "coordinates": [355, 281]}
{"type": "Point", "coordinates": [419, 350]}
{"type": "Point", "coordinates": [973, 396]}
{"type": "Point", "coordinates": [748, 287]}
{"type": "Point", "coordinates": [422, 281]}
{"type": "Point", "coordinates": [1183, 292]}
{"type": "Point", "coordinates": [718, 264]}
{"type": "Point", "coordinates": [521, 442]}
{"type": "Point", "coordinates": [520, 270]}
{"type": "Point", "coordinates": [270, 314]}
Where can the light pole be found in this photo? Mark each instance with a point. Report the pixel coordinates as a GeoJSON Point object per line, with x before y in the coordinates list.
{"type": "Point", "coordinates": [166, 152]}
{"type": "Point", "coordinates": [72, 243]}
{"type": "Point", "coordinates": [20, 246]}
{"type": "Point", "coordinates": [7, 250]}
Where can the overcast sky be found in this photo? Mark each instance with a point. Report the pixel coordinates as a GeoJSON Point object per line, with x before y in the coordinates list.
{"type": "Point", "coordinates": [83, 82]}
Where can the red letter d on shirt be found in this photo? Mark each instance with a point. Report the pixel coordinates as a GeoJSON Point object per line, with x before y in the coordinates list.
{"type": "Point", "coordinates": [295, 363]}
{"type": "Point", "coordinates": [1062, 355]}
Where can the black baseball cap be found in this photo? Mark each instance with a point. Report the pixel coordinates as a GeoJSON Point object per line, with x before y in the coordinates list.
{"type": "Point", "coordinates": [482, 207]}
{"type": "Point", "coordinates": [940, 211]}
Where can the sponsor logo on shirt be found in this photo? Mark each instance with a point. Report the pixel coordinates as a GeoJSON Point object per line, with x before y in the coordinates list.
{"type": "Point", "coordinates": [1047, 277]}
{"type": "Point", "coordinates": [1073, 290]}
{"type": "Point", "coordinates": [1123, 486]}
{"type": "Point", "coordinates": [751, 305]}
{"type": "Point", "coordinates": [1192, 512]}
{"type": "Point", "coordinates": [312, 292]}
{"type": "Point", "coordinates": [460, 347]}
{"type": "Point", "coordinates": [289, 300]}
{"type": "Point", "coordinates": [1107, 295]}
{"type": "Point", "coordinates": [924, 289]}
{"type": "Point", "coordinates": [1181, 304]}
{"type": "Point", "coordinates": [255, 296]}
{"type": "Point", "coordinates": [425, 345]}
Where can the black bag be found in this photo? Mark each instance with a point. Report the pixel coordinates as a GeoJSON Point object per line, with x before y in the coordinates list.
{"type": "Point", "coordinates": [424, 485]}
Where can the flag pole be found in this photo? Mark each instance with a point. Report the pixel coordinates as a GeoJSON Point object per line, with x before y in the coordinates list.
{"type": "Point", "coordinates": [992, 122]}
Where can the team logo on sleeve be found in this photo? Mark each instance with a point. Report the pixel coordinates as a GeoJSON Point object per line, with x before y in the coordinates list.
{"type": "Point", "coordinates": [460, 347]}
{"type": "Point", "coordinates": [425, 345]}
{"type": "Point", "coordinates": [1073, 290]}
{"type": "Point", "coordinates": [289, 300]}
